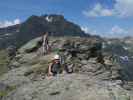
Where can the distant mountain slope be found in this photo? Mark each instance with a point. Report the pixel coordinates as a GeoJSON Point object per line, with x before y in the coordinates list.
{"type": "Point", "coordinates": [34, 26]}
{"type": "Point", "coordinates": [8, 36]}
{"type": "Point", "coordinates": [122, 50]}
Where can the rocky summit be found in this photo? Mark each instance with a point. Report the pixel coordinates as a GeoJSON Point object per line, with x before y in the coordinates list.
{"type": "Point", "coordinates": [93, 75]}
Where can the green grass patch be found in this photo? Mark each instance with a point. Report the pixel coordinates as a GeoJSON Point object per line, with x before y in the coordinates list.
{"type": "Point", "coordinates": [56, 50]}
{"type": "Point", "coordinates": [5, 92]}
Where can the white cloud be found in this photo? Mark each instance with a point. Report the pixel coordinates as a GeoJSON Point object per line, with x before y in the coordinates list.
{"type": "Point", "coordinates": [117, 29]}
{"type": "Point", "coordinates": [17, 21]}
{"type": "Point", "coordinates": [118, 32]}
{"type": "Point", "coordinates": [122, 8]}
{"type": "Point", "coordinates": [9, 23]}
{"type": "Point", "coordinates": [98, 10]}
{"type": "Point", "coordinates": [115, 32]}
{"type": "Point", "coordinates": [89, 31]}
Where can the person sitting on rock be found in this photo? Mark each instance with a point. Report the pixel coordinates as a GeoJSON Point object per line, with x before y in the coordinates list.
{"type": "Point", "coordinates": [45, 44]}
{"type": "Point", "coordinates": [55, 67]}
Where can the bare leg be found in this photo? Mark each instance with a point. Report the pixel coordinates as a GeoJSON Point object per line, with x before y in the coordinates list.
{"type": "Point", "coordinates": [43, 49]}
{"type": "Point", "coordinates": [48, 49]}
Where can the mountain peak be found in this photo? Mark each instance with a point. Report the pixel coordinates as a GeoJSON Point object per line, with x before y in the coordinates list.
{"type": "Point", "coordinates": [34, 26]}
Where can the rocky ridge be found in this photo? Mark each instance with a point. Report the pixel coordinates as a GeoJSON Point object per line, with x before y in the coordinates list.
{"type": "Point", "coordinates": [94, 77]}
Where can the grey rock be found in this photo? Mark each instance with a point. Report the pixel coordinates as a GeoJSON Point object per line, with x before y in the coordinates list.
{"type": "Point", "coordinates": [31, 46]}
{"type": "Point", "coordinates": [3, 86]}
{"type": "Point", "coordinates": [11, 51]}
{"type": "Point", "coordinates": [69, 87]}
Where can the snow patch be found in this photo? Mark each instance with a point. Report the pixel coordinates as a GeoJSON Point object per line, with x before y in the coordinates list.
{"type": "Point", "coordinates": [125, 58]}
{"type": "Point", "coordinates": [125, 48]}
{"type": "Point", "coordinates": [7, 34]}
{"type": "Point", "coordinates": [49, 19]}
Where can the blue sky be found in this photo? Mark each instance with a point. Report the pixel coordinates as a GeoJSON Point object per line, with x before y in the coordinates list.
{"type": "Point", "coordinates": [103, 17]}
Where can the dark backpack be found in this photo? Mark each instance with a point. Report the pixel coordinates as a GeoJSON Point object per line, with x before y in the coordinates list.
{"type": "Point", "coordinates": [56, 67]}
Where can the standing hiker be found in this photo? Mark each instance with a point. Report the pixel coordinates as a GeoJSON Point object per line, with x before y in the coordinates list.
{"type": "Point", "coordinates": [45, 43]}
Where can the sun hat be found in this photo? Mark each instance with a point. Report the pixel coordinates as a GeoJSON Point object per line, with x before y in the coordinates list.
{"type": "Point", "coordinates": [56, 56]}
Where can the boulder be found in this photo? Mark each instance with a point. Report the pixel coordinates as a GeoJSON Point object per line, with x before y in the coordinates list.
{"type": "Point", "coordinates": [31, 46]}
{"type": "Point", "coordinates": [11, 51]}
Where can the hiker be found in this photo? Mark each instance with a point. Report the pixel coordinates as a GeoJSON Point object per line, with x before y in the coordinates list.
{"type": "Point", "coordinates": [45, 43]}
{"type": "Point", "coordinates": [55, 67]}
